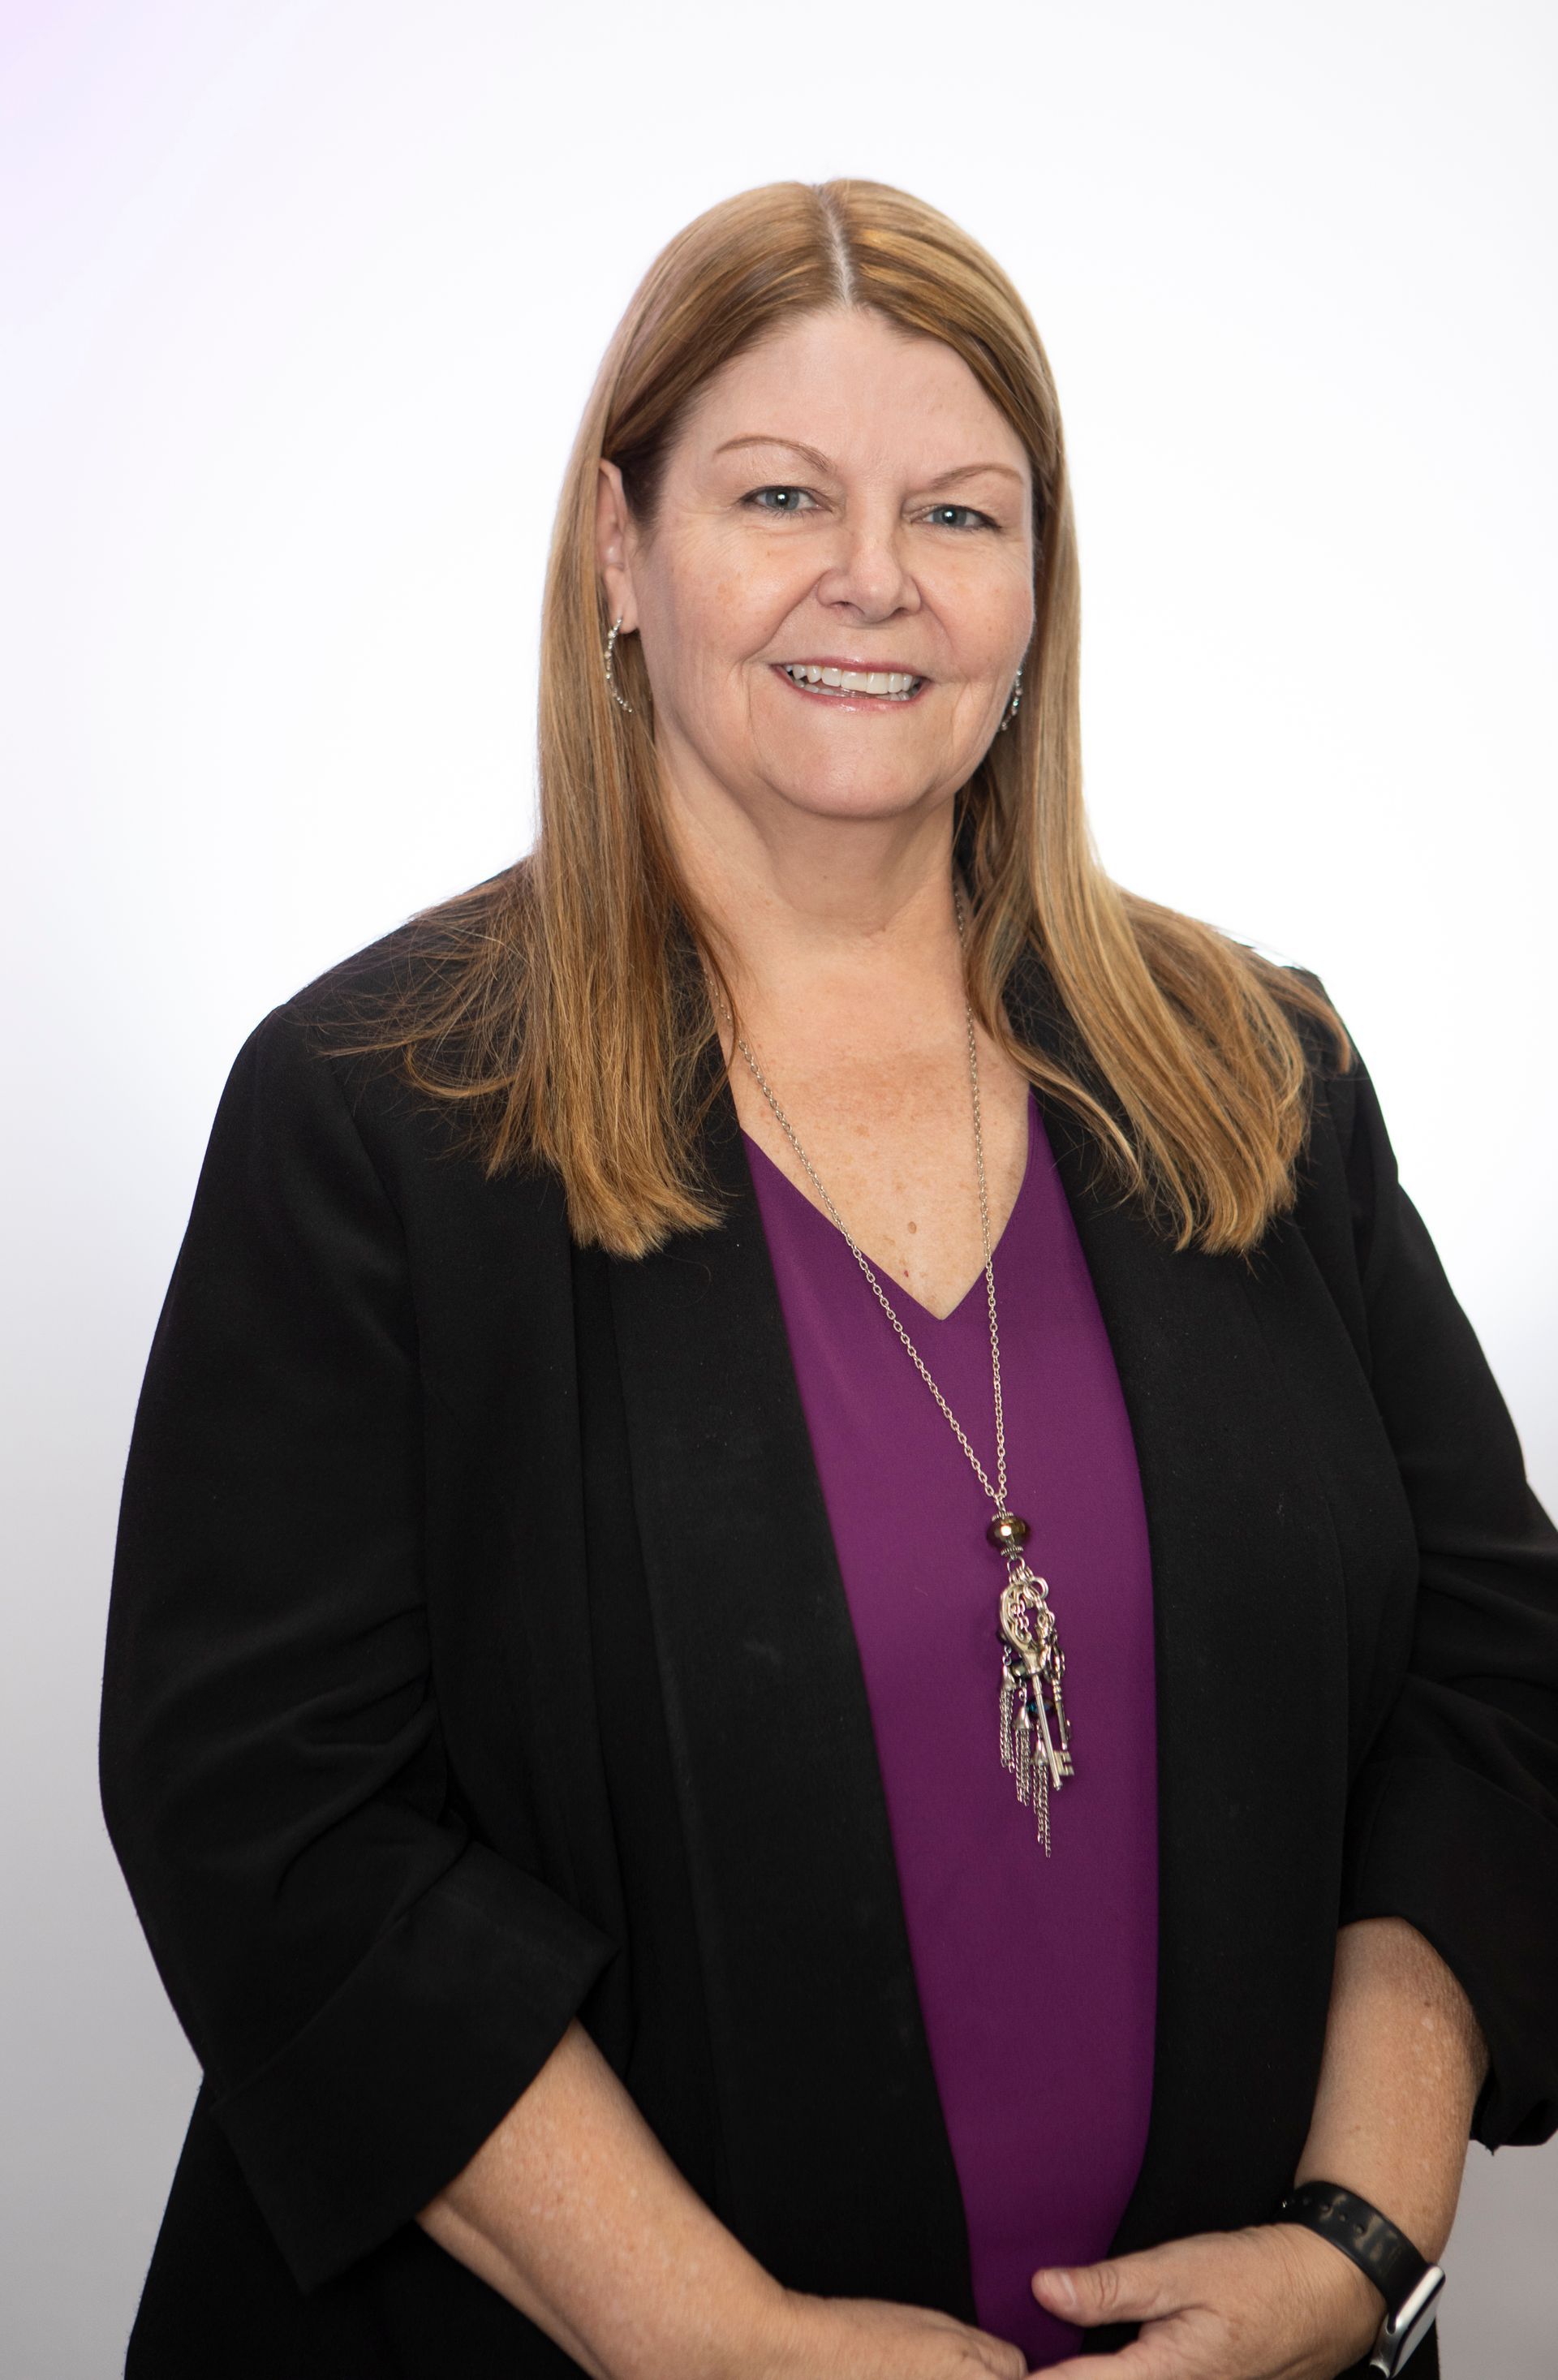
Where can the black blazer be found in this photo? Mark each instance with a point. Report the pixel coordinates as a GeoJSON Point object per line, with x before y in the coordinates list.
{"type": "Point", "coordinates": [478, 1655]}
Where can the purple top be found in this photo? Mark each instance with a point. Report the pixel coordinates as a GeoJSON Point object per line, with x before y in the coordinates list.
{"type": "Point", "coordinates": [1036, 1979]}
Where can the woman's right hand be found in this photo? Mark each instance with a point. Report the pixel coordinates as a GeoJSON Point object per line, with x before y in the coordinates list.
{"type": "Point", "coordinates": [867, 2338]}
{"type": "Point", "coordinates": [573, 2210]}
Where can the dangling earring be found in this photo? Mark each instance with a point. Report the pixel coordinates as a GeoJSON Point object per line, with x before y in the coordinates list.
{"type": "Point", "coordinates": [606, 657]}
{"type": "Point", "coordinates": [1009, 714]}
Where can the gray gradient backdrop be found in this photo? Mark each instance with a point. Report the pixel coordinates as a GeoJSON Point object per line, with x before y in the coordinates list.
{"type": "Point", "coordinates": [304, 302]}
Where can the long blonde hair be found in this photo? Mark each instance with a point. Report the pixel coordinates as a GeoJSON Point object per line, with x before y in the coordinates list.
{"type": "Point", "coordinates": [557, 1001]}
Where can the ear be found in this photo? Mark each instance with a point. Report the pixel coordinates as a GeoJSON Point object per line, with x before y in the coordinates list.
{"type": "Point", "coordinates": [614, 540]}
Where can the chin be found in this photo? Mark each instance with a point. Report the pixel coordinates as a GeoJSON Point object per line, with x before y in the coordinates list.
{"type": "Point", "coordinates": [837, 783]}
{"type": "Point", "coordinates": [849, 797]}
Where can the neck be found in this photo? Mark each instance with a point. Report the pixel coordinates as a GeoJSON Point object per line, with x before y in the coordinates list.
{"type": "Point", "coordinates": [823, 919]}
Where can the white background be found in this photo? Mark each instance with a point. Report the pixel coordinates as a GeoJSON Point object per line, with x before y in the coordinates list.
{"type": "Point", "coordinates": [302, 302]}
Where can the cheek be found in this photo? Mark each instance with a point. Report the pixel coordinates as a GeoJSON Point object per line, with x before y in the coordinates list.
{"type": "Point", "coordinates": [722, 601]}
{"type": "Point", "coordinates": [987, 615]}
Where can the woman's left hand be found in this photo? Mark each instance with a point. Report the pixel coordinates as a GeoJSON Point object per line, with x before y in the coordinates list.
{"type": "Point", "coordinates": [1273, 2301]}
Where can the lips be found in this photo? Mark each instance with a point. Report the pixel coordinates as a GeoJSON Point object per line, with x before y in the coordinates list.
{"type": "Point", "coordinates": [852, 684]}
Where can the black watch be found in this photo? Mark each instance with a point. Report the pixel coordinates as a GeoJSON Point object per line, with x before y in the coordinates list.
{"type": "Point", "coordinates": [1409, 2285]}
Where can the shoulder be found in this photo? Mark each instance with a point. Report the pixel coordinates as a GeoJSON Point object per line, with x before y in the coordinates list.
{"type": "Point", "coordinates": [329, 1163]}
{"type": "Point", "coordinates": [304, 1067]}
{"type": "Point", "coordinates": [398, 980]}
{"type": "Point", "coordinates": [1333, 1067]}
{"type": "Point", "coordinates": [354, 1024]}
{"type": "Point", "coordinates": [339, 1003]}
{"type": "Point", "coordinates": [359, 985]}
{"type": "Point", "coordinates": [1347, 1188]}
{"type": "Point", "coordinates": [320, 1109]}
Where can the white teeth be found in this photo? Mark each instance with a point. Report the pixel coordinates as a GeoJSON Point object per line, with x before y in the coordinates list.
{"type": "Point", "coordinates": [891, 683]}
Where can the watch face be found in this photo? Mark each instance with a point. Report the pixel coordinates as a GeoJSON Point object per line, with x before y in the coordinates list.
{"type": "Point", "coordinates": [1405, 2329]}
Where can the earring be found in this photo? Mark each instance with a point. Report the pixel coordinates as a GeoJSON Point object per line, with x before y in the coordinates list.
{"type": "Point", "coordinates": [606, 657]}
{"type": "Point", "coordinates": [1010, 713]}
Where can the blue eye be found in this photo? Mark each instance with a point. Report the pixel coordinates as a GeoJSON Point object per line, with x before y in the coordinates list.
{"type": "Point", "coordinates": [790, 506]}
{"type": "Point", "coordinates": [789, 500]}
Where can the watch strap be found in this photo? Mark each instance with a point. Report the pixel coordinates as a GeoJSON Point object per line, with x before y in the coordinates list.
{"type": "Point", "coordinates": [1405, 2278]}
{"type": "Point", "coordinates": [1361, 2232]}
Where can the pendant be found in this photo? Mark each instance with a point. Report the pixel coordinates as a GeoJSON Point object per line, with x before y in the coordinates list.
{"type": "Point", "coordinates": [1035, 1738]}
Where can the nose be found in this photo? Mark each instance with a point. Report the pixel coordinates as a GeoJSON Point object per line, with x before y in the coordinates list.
{"type": "Point", "coordinates": [867, 571]}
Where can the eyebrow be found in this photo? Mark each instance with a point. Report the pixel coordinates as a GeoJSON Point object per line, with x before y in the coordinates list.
{"type": "Point", "coordinates": [825, 463]}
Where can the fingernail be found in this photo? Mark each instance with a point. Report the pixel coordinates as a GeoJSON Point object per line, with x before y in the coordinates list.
{"type": "Point", "coordinates": [1056, 2286]}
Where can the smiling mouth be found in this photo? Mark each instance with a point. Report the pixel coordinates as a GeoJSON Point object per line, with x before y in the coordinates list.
{"type": "Point", "coordinates": [834, 685]}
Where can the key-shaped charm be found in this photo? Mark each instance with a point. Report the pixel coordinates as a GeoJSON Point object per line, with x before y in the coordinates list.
{"type": "Point", "coordinates": [1032, 1668]}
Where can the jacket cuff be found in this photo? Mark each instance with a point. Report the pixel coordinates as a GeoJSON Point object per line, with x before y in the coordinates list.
{"type": "Point", "coordinates": [1476, 1871]}
{"type": "Point", "coordinates": [393, 2084]}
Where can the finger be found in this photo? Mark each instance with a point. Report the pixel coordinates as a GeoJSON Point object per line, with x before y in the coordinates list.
{"type": "Point", "coordinates": [1118, 2288]}
{"type": "Point", "coordinates": [1008, 2362]}
{"type": "Point", "coordinates": [997, 2355]}
{"type": "Point", "coordinates": [1138, 2362]}
{"type": "Point", "coordinates": [1000, 2356]}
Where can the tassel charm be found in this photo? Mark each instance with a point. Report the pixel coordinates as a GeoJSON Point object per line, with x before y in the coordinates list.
{"type": "Point", "coordinates": [1035, 1741]}
{"type": "Point", "coordinates": [1035, 1738]}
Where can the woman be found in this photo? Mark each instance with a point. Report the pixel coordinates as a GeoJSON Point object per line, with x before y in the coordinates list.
{"type": "Point", "coordinates": [826, 1643]}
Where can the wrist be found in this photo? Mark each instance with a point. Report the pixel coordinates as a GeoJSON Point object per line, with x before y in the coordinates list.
{"type": "Point", "coordinates": [1351, 2306]}
{"type": "Point", "coordinates": [724, 2312]}
{"type": "Point", "coordinates": [1408, 2284]}
{"type": "Point", "coordinates": [777, 2342]}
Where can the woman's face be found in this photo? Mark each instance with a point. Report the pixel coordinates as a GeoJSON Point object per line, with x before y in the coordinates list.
{"type": "Point", "coordinates": [846, 497]}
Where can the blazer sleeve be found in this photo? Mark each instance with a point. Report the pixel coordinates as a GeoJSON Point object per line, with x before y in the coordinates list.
{"type": "Point", "coordinates": [1453, 1814]}
{"type": "Point", "coordinates": [368, 1987]}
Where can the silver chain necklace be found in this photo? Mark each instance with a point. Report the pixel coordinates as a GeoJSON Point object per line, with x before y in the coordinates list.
{"type": "Point", "coordinates": [1035, 1742]}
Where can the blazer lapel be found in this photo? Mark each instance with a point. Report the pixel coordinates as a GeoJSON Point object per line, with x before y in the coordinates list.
{"type": "Point", "coordinates": [827, 2098]}
{"type": "Point", "coordinates": [1249, 1633]}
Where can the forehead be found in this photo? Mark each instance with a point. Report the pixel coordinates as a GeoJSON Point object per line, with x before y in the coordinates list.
{"type": "Point", "coordinates": [860, 390]}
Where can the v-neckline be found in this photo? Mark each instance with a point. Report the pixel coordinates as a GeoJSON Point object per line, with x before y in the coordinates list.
{"type": "Point", "coordinates": [898, 1291]}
